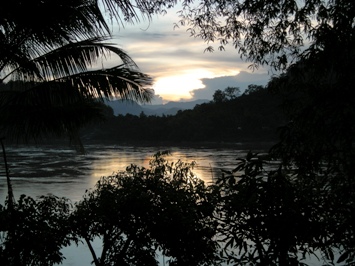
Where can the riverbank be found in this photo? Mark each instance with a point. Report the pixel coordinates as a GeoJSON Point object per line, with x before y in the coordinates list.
{"type": "Point", "coordinates": [65, 143]}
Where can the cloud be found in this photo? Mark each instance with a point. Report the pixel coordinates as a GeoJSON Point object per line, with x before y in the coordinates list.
{"type": "Point", "coordinates": [241, 80]}
{"type": "Point", "coordinates": [178, 63]}
{"type": "Point", "coordinates": [160, 51]}
{"type": "Point", "coordinates": [157, 100]}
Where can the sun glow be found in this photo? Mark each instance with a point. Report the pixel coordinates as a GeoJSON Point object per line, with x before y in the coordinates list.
{"type": "Point", "coordinates": [179, 87]}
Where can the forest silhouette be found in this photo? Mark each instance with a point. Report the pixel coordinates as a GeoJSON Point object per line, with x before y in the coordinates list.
{"type": "Point", "coordinates": [254, 116]}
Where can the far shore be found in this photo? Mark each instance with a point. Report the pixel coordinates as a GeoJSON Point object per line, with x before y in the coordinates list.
{"type": "Point", "coordinates": [247, 145]}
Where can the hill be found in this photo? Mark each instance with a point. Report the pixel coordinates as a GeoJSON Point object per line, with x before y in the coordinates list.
{"type": "Point", "coordinates": [252, 117]}
{"type": "Point", "coordinates": [131, 107]}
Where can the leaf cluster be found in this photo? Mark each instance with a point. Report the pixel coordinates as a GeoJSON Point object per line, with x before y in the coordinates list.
{"type": "Point", "coordinates": [140, 211]}
{"type": "Point", "coordinates": [50, 67]}
{"type": "Point", "coordinates": [251, 117]}
{"type": "Point", "coordinates": [268, 216]}
{"type": "Point", "coordinates": [34, 231]}
{"type": "Point", "coordinates": [275, 32]}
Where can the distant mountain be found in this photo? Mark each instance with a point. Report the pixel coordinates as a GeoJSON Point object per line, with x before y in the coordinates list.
{"type": "Point", "coordinates": [179, 105]}
{"type": "Point", "coordinates": [131, 107]}
{"type": "Point", "coordinates": [124, 107]}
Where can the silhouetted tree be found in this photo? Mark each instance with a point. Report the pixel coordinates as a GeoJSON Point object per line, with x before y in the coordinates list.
{"type": "Point", "coordinates": [33, 232]}
{"type": "Point", "coordinates": [219, 96]}
{"type": "Point", "coordinates": [252, 88]}
{"type": "Point", "coordinates": [269, 216]}
{"type": "Point", "coordinates": [275, 32]}
{"type": "Point", "coordinates": [55, 63]}
{"type": "Point", "coordinates": [313, 41]}
{"type": "Point", "coordinates": [227, 94]}
{"type": "Point", "coordinates": [232, 92]}
{"type": "Point", "coordinates": [251, 118]}
{"type": "Point", "coordinates": [319, 138]}
{"type": "Point", "coordinates": [48, 57]}
{"type": "Point", "coordinates": [140, 211]}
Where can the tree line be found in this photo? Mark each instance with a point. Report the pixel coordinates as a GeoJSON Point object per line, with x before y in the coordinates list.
{"type": "Point", "coordinates": [254, 116]}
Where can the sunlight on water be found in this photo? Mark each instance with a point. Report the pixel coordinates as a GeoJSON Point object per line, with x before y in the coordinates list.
{"type": "Point", "coordinates": [207, 166]}
{"type": "Point", "coordinates": [114, 161]}
{"type": "Point", "coordinates": [204, 164]}
{"type": "Point", "coordinates": [39, 171]}
{"type": "Point", "coordinates": [60, 171]}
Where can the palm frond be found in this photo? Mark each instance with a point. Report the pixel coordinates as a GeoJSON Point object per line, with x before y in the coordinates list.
{"type": "Point", "coordinates": [53, 58]}
{"type": "Point", "coordinates": [67, 60]}
{"type": "Point", "coordinates": [64, 105]}
{"type": "Point", "coordinates": [46, 109]}
{"type": "Point", "coordinates": [61, 22]}
{"type": "Point", "coordinates": [51, 22]}
{"type": "Point", "coordinates": [25, 123]}
{"type": "Point", "coordinates": [126, 10]}
{"type": "Point", "coordinates": [116, 82]}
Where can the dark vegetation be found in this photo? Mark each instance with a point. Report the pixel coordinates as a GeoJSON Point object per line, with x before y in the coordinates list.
{"type": "Point", "coordinates": [254, 116]}
{"type": "Point", "coordinates": [274, 209]}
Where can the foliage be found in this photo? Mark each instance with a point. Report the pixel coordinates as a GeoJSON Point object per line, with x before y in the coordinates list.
{"type": "Point", "coordinates": [304, 205]}
{"type": "Point", "coordinates": [219, 96]}
{"type": "Point", "coordinates": [270, 216]}
{"type": "Point", "coordinates": [232, 92]}
{"type": "Point", "coordinates": [50, 67]}
{"type": "Point", "coordinates": [248, 118]}
{"type": "Point", "coordinates": [135, 213]}
{"type": "Point", "coordinates": [252, 88]}
{"type": "Point", "coordinates": [34, 231]}
{"type": "Point", "coordinates": [319, 138]}
{"type": "Point", "coordinates": [273, 32]}
{"type": "Point", "coordinates": [313, 42]}
{"type": "Point", "coordinates": [141, 211]}
{"type": "Point", "coordinates": [227, 94]}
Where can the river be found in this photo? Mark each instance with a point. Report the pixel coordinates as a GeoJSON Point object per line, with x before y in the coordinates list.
{"type": "Point", "coordinates": [42, 170]}
{"type": "Point", "coordinates": [60, 171]}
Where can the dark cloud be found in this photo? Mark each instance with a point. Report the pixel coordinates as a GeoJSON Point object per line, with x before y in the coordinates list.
{"type": "Point", "coordinates": [242, 80]}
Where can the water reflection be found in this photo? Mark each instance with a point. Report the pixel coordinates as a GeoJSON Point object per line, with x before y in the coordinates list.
{"type": "Point", "coordinates": [38, 171]}
{"type": "Point", "coordinates": [115, 160]}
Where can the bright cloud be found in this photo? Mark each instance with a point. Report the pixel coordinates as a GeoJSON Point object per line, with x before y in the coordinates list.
{"type": "Point", "coordinates": [181, 86]}
{"type": "Point", "coordinates": [180, 67]}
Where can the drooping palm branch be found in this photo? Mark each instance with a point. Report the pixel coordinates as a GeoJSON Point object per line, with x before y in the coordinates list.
{"type": "Point", "coordinates": [48, 50]}
{"type": "Point", "coordinates": [63, 84]}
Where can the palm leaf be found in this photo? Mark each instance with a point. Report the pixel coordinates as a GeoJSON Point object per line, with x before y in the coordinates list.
{"type": "Point", "coordinates": [46, 109]}
{"type": "Point", "coordinates": [23, 38]}
{"type": "Point", "coordinates": [63, 106]}
{"type": "Point", "coordinates": [67, 60]}
{"type": "Point", "coordinates": [34, 123]}
{"type": "Point", "coordinates": [51, 22]}
{"type": "Point", "coordinates": [117, 82]}
{"type": "Point", "coordinates": [54, 57]}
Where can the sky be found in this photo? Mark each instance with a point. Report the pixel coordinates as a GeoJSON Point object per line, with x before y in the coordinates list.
{"type": "Point", "coordinates": [181, 70]}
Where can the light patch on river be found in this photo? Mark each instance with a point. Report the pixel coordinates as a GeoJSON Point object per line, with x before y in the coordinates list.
{"type": "Point", "coordinates": [37, 171]}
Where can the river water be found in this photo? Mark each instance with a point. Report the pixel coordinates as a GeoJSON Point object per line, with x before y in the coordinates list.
{"type": "Point", "coordinates": [37, 171]}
